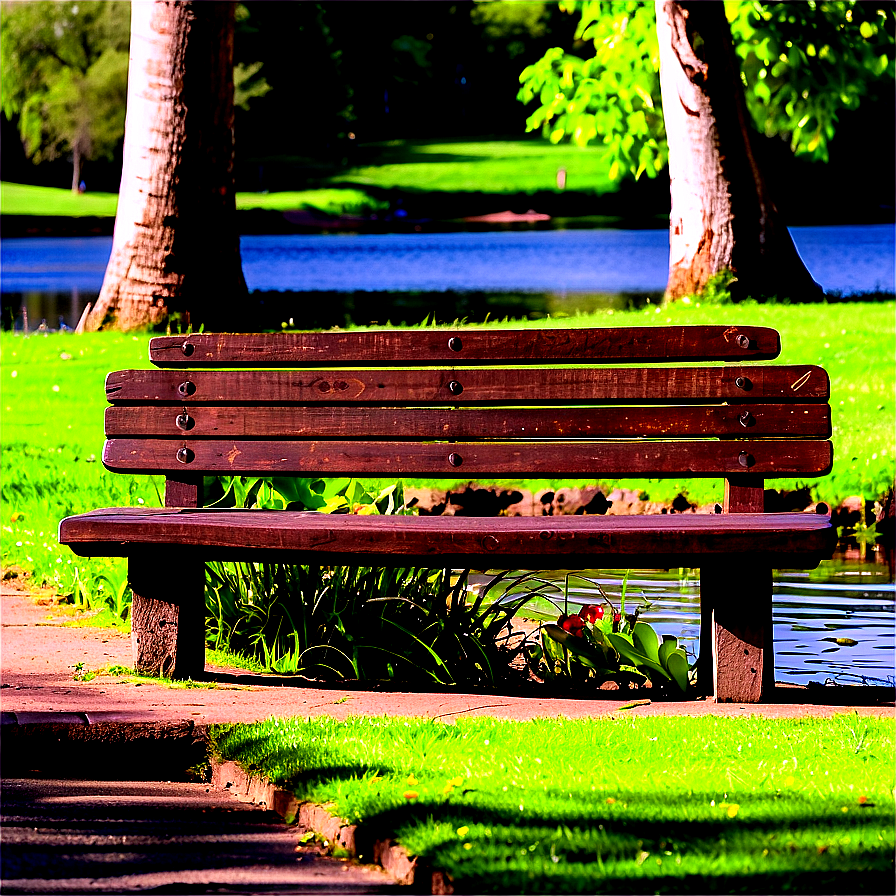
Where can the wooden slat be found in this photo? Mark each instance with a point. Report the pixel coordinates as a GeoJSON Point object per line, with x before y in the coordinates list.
{"type": "Point", "coordinates": [352, 422]}
{"type": "Point", "coordinates": [466, 346]}
{"type": "Point", "coordinates": [691, 538]}
{"type": "Point", "coordinates": [471, 459]}
{"type": "Point", "coordinates": [514, 386]}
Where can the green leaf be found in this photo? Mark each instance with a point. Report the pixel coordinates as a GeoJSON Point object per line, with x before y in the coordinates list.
{"type": "Point", "coordinates": [627, 650]}
{"type": "Point", "coordinates": [678, 668]}
{"type": "Point", "coordinates": [645, 639]}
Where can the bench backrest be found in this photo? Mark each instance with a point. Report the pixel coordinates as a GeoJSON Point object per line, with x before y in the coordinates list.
{"type": "Point", "coordinates": [477, 404]}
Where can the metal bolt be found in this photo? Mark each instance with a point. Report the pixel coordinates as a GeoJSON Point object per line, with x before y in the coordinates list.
{"type": "Point", "coordinates": [184, 420]}
{"type": "Point", "coordinates": [455, 344]}
{"type": "Point", "coordinates": [455, 388]}
{"type": "Point", "coordinates": [184, 455]}
{"type": "Point", "coordinates": [746, 460]}
{"type": "Point", "coordinates": [188, 348]}
{"type": "Point", "coordinates": [186, 388]}
{"type": "Point", "coordinates": [455, 459]}
{"type": "Point", "coordinates": [746, 419]}
{"type": "Point", "coordinates": [743, 341]}
{"type": "Point", "coordinates": [490, 543]}
{"type": "Point", "coordinates": [743, 383]}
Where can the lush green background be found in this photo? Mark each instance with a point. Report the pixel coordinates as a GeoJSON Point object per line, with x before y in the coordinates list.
{"type": "Point", "coordinates": [618, 805]}
{"type": "Point", "coordinates": [506, 168]}
{"type": "Point", "coordinates": [53, 401]}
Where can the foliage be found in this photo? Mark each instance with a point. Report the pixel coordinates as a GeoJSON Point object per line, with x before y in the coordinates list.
{"type": "Point", "coordinates": [350, 622]}
{"type": "Point", "coordinates": [600, 643]}
{"type": "Point", "coordinates": [615, 95]}
{"type": "Point", "coordinates": [65, 75]}
{"type": "Point", "coordinates": [802, 63]}
{"type": "Point", "coordinates": [618, 805]}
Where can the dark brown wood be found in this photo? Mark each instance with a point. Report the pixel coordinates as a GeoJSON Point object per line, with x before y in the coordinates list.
{"type": "Point", "coordinates": [167, 613]}
{"type": "Point", "coordinates": [351, 422]}
{"type": "Point", "coordinates": [691, 538]}
{"type": "Point", "coordinates": [466, 346]}
{"type": "Point", "coordinates": [744, 494]}
{"type": "Point", "coordinates": [743, 652]}
{"type": "Point", "coordinates": [471, 459]}
{"type": "Point", "coordinates": [183, 490]}
{"type": "Point", "coordinates": [476, 386]}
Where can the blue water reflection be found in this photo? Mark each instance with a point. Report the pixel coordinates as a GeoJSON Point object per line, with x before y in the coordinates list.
{"type": "Point", "coordinates": [847, 259]}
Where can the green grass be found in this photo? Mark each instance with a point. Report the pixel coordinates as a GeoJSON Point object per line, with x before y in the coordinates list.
{"type": "Point", "coordinates": [505, 166]}
{"type": "Point", "coordinates": [619, 805]}
{"type": "Point", "coordinates": [330, 201]}
{"type": "Point", "coordinates": [23, 199]}
{"type": "Point", "coordinates": [511, 167]}
{"type": "Point", "coordinates": [53, 402]}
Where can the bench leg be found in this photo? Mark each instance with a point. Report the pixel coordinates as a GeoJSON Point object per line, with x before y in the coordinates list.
{"type": "Point", "coordinates": [739, 605]}
{"type": "Point", "coordinates": [167, 615]}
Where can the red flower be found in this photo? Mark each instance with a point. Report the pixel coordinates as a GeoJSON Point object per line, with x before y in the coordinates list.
{"type": "Point", "coordinates": [593, 613]}
{"type": "Point", "coordinates": [574, 624]}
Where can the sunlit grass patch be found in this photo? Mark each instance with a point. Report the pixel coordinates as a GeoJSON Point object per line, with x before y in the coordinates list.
{"type": "Point", "coordinates": [25, 199]}
{"type": "Point", "coordinates": [604, 805]}
{"type": "Point", "coordinates": [332, 201]}
{"type": "Point", "coordinates": [490, 166]}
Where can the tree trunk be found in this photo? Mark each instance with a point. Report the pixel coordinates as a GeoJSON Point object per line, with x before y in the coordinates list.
{"type": "Point", "coordinates": [76, 167]}
{"type": "Point", "coordinates": [176, 247]}
{"type": "Point", "coordinates": [723, 219]}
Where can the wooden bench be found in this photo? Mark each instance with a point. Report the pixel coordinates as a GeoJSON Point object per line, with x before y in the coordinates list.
{"type": "Point", "coordinates": [481, 405]}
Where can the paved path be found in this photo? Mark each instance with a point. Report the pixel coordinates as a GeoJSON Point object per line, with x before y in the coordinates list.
{"type": "Point", "coordinates": [39, 655]}
{"type": "Point", "coordinates": [70, 836]}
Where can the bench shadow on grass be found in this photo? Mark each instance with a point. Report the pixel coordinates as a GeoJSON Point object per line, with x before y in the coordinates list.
{"type": "Point", "coordinates": [627, 841]}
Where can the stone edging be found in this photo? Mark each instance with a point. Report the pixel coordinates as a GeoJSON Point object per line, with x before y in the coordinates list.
{"type": "Point", "coordinates": [230, 777]}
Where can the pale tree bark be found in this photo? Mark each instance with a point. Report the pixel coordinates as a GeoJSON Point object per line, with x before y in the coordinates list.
{"type": "Point", "coordinates": [722, 218]}
{"type": "Point", "coordinates": [176, 247]}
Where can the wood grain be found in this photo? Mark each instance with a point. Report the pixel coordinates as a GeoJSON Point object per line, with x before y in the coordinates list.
{"type": "Point", "coordinates": [474, 460]}
{"type": "Point", "coordinates": [475, 423]}
{"type": "Point", "coordinates": [524, 386]}
{"type": "Point", "coordinates": [466, 346]}
{"type": "Point", "coordinates": [698, 538]}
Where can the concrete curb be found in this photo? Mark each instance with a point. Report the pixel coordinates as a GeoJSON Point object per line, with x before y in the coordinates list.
{"type": "Point", "coordinates": [332, 829]}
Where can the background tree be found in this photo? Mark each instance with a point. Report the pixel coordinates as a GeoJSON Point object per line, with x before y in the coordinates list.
{"type": "Point", "coordinates": [176, 247]}
{"type": "Point", "coordinates": [802, 64]}
{"type": "Point", "coordinates": [65, 77]}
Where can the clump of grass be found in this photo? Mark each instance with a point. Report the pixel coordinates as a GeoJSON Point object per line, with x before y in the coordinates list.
{"type": "Point", "coordinates": [604, 805]}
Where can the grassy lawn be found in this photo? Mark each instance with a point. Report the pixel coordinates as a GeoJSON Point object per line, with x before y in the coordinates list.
{"type": "Point", "coordinates": [24, 199]}
{"type": "Point", "coordinates": [506, 166]}
{"type": "Point", "coordinates": [620, 805]}
{"type": "Point", "coordinates": [53, 402]}
{"type": "Point", "coordinates": [511, 167]}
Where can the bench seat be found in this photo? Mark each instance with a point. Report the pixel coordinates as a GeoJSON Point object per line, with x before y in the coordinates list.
{"type": "Point", "coordinates": [799, 540]}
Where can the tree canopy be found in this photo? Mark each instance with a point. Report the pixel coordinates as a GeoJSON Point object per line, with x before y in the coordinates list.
{"type": "Point", "coordinates": [65, 70]}
{"type": "Point", "coordinates": [802, 64]}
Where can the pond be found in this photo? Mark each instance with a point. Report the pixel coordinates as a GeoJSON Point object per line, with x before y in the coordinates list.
{"type": "Point", "coordinates": [322, 280]}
